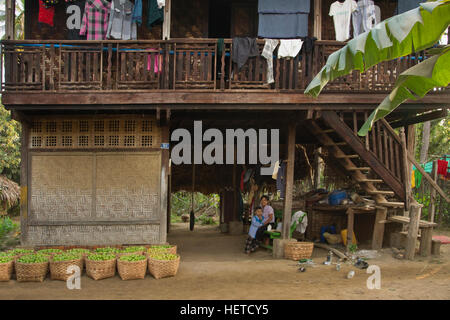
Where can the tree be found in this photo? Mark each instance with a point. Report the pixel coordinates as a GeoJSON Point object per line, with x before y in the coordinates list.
{"type": "Point", "coordinates": [19, 19]}
{"type": "Point", "coordinates": [10, 146]}
{"type": "Point", "coordinates": [403, 34]}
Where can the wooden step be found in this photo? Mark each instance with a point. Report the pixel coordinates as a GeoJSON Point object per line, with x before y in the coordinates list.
{"type": "Point", "coordinates": [371, 180]}
{"type": "Point", "coordinates": [387, 193]}
{"type": "Point", "coordinates": [347, 156]}
{"type": "Point", "coordinates": [327, 131]}
{"type": "Point", "coordinates": [405, 233]}
{"type": "Point", "coordinates": [405, 220]}
{"type": "Point", "coordinates": [392, 204]}
{"type": "Point", "coordinates": [356, 169]}
{"type": "Point", "coordinates": [336, 144]}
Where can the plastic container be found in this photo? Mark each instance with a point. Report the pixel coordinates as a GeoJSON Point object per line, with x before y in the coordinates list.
{"type": "Point", "coordinates": [336, 197]}
{"type": "Point", "coordinates": [344, 237]}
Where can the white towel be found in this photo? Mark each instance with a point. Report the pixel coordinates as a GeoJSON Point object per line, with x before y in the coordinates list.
{"type": "Point", "coordinates": [269, 47]}
{"type": "Point", "coordinates": [289, 48]}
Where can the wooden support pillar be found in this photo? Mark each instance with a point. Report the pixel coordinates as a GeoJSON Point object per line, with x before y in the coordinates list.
{"type": "Point", "coordinates": [10, 6]}
{"type": "Point", "coordinates": [318, 19]}
{"type": "Point", "coordinates": [406, 173]}
{"type": "Point", "coordinates": [350, 223]}
{"type": "Point", "coordinates": [317, 168]}
{"type": "Point", "coordinates": [234, 189]}
{"type": "Point", "coordinates": [166, 23]}
{"type": "Point", "coordinates": [414, 216]}
{"type": "Point", "coordinates": [289, 183]}
{"type": "Point", "coordinates": [426, 239]}
{"type": "Point", "coordinates": [169, 198]}
{"type": "Point", "coordinates": [24, 165]}
{"type": "Point", "coordinates": [164, 184]}
{"type": "Point", "coordinates": [378, 228]}
{"type": "Point", "coordinates": [432, 207]}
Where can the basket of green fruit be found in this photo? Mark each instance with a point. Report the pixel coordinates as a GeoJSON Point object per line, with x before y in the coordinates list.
{"type": "Point", "coordinates": [32, 267]}
{"type": "Point", "coordinates": [166, 247]}
{"type": "Point", "coordinates": [18, 252]}
{"type": "Point", "coordinates": [6, 266]}
{"type": "Point", "coordinates": [101, 265]}
{"type": "Point", "coordinates": [132, 266]}
{"type": "Point", "coordinates": [109, 250]}
{"type": "Point", "coordinates": [79, 251]}
{"type": "Point", "coordinates": [50, 251]}
{"type": "Point", "coordinates": [163, 264]}
{"type": "Point", "coordinates": [131, 250]}
{"type": "Point", "coordinates": [59, 264]}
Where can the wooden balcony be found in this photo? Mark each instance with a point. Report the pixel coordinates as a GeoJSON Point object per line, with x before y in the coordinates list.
{"type": "Point", "coordinates": [178, 65]}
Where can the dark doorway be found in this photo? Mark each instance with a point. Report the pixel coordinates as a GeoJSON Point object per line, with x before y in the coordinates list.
{"type": "Point", "coordinates": [219, 19]}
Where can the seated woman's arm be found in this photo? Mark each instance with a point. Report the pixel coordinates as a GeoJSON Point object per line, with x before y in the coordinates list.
{"type": "Point", "coordinates": [256, 223]}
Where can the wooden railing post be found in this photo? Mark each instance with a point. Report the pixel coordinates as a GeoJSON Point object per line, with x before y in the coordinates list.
{"type": "Point", "coordinates": [413, 230]}
{"type": "Point", "coordinates": [406, 173]}
{"type": "Point", "coordinates": [289, 182]}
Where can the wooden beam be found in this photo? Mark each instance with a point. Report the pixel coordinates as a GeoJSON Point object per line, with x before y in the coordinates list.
{"type": "Point", "coordinates": [289, 183]}
{"type": "Point", "coordinates": [413, 230]}
{"type": "Point", "coordinates": [432, 207]}
{"type": "Point", "coordinates": [318, 19]}
{"type": "Point", "coordinates": [378, 228]}
{"type": "Point", "coordinates": [24, 182]}
{"type": "Point", "coordinates": [426, 240]}
{"type": "Point", "coordinates": [421, 118]}
{"type": "Point", "coordinates": [405, 172]}
{"type": "Point", "coordinates": [10, 19]}
{"type": "Point", "coordinates": [350, 223]}
{"type": "Point", "coordinates": [164, 189]}
{"type": "Point", "coordinates": [166, 23]}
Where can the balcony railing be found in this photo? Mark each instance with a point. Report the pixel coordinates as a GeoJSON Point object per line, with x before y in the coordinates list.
{"type": "Point", "coordinates": [178, 64]}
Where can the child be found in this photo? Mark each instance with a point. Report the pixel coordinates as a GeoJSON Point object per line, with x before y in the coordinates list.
{"type": "Point", "coordinates": [257, 221]}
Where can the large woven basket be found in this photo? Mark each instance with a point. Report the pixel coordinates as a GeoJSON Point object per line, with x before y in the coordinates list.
{"type": "Point", "coordinates": [6, 270]}
{"type": "Point", "coordinates": [100, 269]}
{"type": "Point", "coordinates": [58, 269]}
{"type": "Point", "coordinates": [163, 268]}
{"type": "Point", "coordinates": [129, 253]}
{"type": "Point", "coordinates": [298, 250]}
{"type": "Point", "coordinates": [131, 270]}
{"type": "Point", "coordinates": [31, 271]}
{"type": "Point", "coordinates": [171, 250]}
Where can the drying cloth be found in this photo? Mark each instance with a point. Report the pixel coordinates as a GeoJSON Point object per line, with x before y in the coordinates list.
{"type": "Point", "coordinates": [120, 21]}
{"type": "Point", "coordinates": [417, 178]}
{"type": "Point", "coordinates": [46, 15]}
{"type": "Point", "coordinates": [406, 5]}
{"type": "Point", "coordinates": [275, 170]}
{"type": "Point", "coordinates": [161, 3]}
{"type": "Point", "coordinates": [289, 48]}
{"type": "Point", "coordinates": [248, 175]}
{"type": "Point", "coordinates": [413, 179]}
{"type": "Point", "coordinates": [341, 13]}
{"type": "Point", "coordinates": [281, 178]}
{"type": "Point", "coordinates": [137, 12]}
{"type": "Point", "coordinates": [157, 62]}
{"type": "Point", "coordinates": [243, 48]}
{"type": "Point", "coordinates": [283, 26]}
{"type": "Point", "coordinates": [95, 19]}
{"type": "Point", "coordinates": [155, 14]}
{"type": "Point", "coordinates": [308, 44]}
{"type": "Point", "coordinates": [267, 53]}
{"type": "Point", "coordinates": [364, 17]}
{"type": "Point", "coordinates": [442, 239]}
{"type": "Point", "coordinates": [283, 6]}
{"type": "Point", "coordinates": [220, 45]}
{"type": "Point", "coordinates": [301, 219]}
{"type": "Point", "coordinates": [74, 11]}
{"type": "Point", "coordinates": [442, 167]}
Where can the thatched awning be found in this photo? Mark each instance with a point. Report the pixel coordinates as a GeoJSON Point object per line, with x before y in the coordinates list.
{"type": "Point", "coordinates": [9, 191]}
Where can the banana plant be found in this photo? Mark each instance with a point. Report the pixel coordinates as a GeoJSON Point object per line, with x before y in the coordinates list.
{"type": "Point", "coordinates": [398, 36]}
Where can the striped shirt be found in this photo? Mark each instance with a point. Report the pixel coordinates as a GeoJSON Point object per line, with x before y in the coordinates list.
{"type": "Point", "coordinates": [95, 19]}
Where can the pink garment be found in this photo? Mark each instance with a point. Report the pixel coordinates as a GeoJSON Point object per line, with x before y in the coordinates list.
{"type": "Point", "coordinates": [157, 62]}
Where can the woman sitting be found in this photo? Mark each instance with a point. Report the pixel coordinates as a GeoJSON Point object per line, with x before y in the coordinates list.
{"type": "Point", "coordinates": [257, 221]}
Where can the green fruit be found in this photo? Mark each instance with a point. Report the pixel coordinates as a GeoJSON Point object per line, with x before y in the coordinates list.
{"type": "Point", "coordinates": [7, 254]}
{"type": "Point", "coordinates": [49, 251]}
{"type": "Point", "coordinates": [162, 256]}
{"type": "Point", "coordinates": [132, 249]}
{"type": "Point", "coordinates": [101, 256]}
{"type": "Point", "coordinates": [78, 251]}
{"type": "Point", "coordinates": [132, 257]}
{"type": "Point", "coordinates": [107, 250]}
{"type": "Point", "coordinates": [33, 258]}
{"type": "Point", "coordinates": [6, 259]}
{"type": "Point", "coordinates": [65, 257]}
{"type": "Point", "coordinates": [20, 251]}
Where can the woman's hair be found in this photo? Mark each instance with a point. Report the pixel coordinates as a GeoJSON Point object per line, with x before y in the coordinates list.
{"type": "Point", "coordinates": [258, 208]}
{"type": "Point", "coordinates": [266, 197]}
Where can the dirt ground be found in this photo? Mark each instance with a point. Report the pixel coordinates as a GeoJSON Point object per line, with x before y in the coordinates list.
{"type": "Point", "coordinates": [213, 266]}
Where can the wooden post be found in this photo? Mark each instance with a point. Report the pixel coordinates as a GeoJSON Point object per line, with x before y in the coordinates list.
{"type": "Point", "coordinates": [318, 19]}
{"type": "Point", "coordinates": [164, 185]}
{"type": "Point", "coordinates": [289, 183]}
{"type": "Point", "coordinates": [350, 223]}
{"type": "Point", "coordinates": [317, 168]}
{"type": "Point", "coordinates": [166, 23]}
{"type": "Point", "coordinates": [426, 239]}
{"type": "Point", "coordinates": [414, 216]}
{"type": "Point", "coordinates": [432, 208]}
{"type": "Point", "coordinates": [406, 173]}
{"type": "Point", "coordinates": [169, 198]}
{"type": "Point", "coordinates": [378, 228]}
{"type": "Point", "coordinates": [24, 160]}
{"type": "Point", "coordinates": [10, 19]}
{"type": "Point", "coordinates": [234, 189]}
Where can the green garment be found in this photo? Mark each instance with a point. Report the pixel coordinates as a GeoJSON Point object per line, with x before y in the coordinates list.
{"type": "Point", "coordinates": [417, 177]}
{"type": "Point", "coordinates": [220, 44]}
{"type": "Point", "coordinates": [155, 15]}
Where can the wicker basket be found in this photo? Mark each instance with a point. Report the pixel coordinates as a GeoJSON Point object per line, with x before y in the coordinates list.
{"type": "Point", "coordinates": [6, 270]}
{"type": "Point", "coordinates": [31, 271]}
{"type": "Point", "coordinates": [58, 269]}
{"type": "Point", "coordinates": [129, 253]}
{"type": "Point", "coordinates": [171, 250]}
{"type": "Point", "coordinates": [100, 269]}
{"type": "Point", "coordinates": [163, 268]}
{"type": "Point", "coordinates": [131, 270]}
{"type": "Point", "coordinates": [298, 250]}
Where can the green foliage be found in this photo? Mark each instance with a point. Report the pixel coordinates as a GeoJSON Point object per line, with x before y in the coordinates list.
{"type": "Point", "coordinates": [101, 256]}
{"type": "Point", "coordinates": [352, 248]}
{"type": "Point", "coordinates": [49, 251]}
{"type": "Point", "coordinates": [65, 257]}
{"type": "Point", "coordinates": [33, 258]}
{"type": "Point", "coordinates": [132, 249]}
{"type": "Point", "coordinates": [162, 256]}
{"type": "Point", "coordinates": [10, 146]}
{"type": "Point", "coordinates": [161, 246]}
{"type": "Point", "coordinates": [205, 220]}
{"type": "Point", "coordinates": [107, 250]}
{"type": "Point", "coordinates": [6, 226]}
{"type": "Point", "coordinates": [132, 257]}
{"type": "Point", "coordinates": [181, 202]}
{"type": "Point", "coordinates": [439, 139]}
{"type": "Point", "coordinates": [6, 259]}
{"type": "Point", "coordinates": [19, 23]}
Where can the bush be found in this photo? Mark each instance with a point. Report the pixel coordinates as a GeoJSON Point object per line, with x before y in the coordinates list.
{"type": "Point", "coordinates": [204, 219]}
{"type": "Point", "coordinates": [6, 226]}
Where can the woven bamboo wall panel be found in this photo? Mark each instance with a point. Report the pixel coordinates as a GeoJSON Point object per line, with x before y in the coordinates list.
{"type": "Point", "coordinates": [94, 132]}
{"type": "Point", "coordinates": [127, 186]}
{"type": "Point", "coordinates": [62, 188]}
{"type": "Point", "coordinates": [93, 235]}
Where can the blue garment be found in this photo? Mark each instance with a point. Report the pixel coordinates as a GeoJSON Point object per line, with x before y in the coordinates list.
{"type": "Point", "coordinates": [137, 12]}
{"type": "Point", "coordinates": [406, 5]}
{"type": "Point", "coordinates": [281, 179]}
{"type": "Point", "coordinates": [256, 223]}
{"type": "Point", "coordinates": [283, 6]}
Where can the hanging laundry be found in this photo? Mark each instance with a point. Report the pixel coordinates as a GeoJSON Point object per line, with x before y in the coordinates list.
{"type": "Point", "coordinates": [341, 13]}
{"type": "Point", "coordinates": [157, 61]}
{"type": "Point", "coordinates": [46, 15]}
{"type": "Point", "coordinates": [442, 167]}
{"type": "Point", "coordinates": [120, 21]}
{"type": "Point", "coordinates": [377, 14]}
{"type": "Point", "coordinates": [283, 18]}
{"type": "Point", "coordinates": [364, 17]}
{"type": "Point", "coordinates": [243, 48]}
{"type": "Point", "coordinates": [413, 179]}
{"type": "Point", "coordinates": [417, 178]}
{"type": "Point", "coordinates": [281, 179]}
{"type": "Point", "coordinates": [95, 19]}
{"type": "Point", "coordinates": [267, 53]}
{"type": "Point", "coordinates": [75, 11]}
{"type": "Point", "coordinates": [155, 14]}
{"type": "Point", "coordinates": [137, 12]}
{"type": "Point", "coordinates": [275, 170]}
{"type": "Point", "coordinates": [289, 48]}
{"type": "Point", "coordinates": [406, 5]}
{"type": "Point", "coordinates": [161, 3]}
